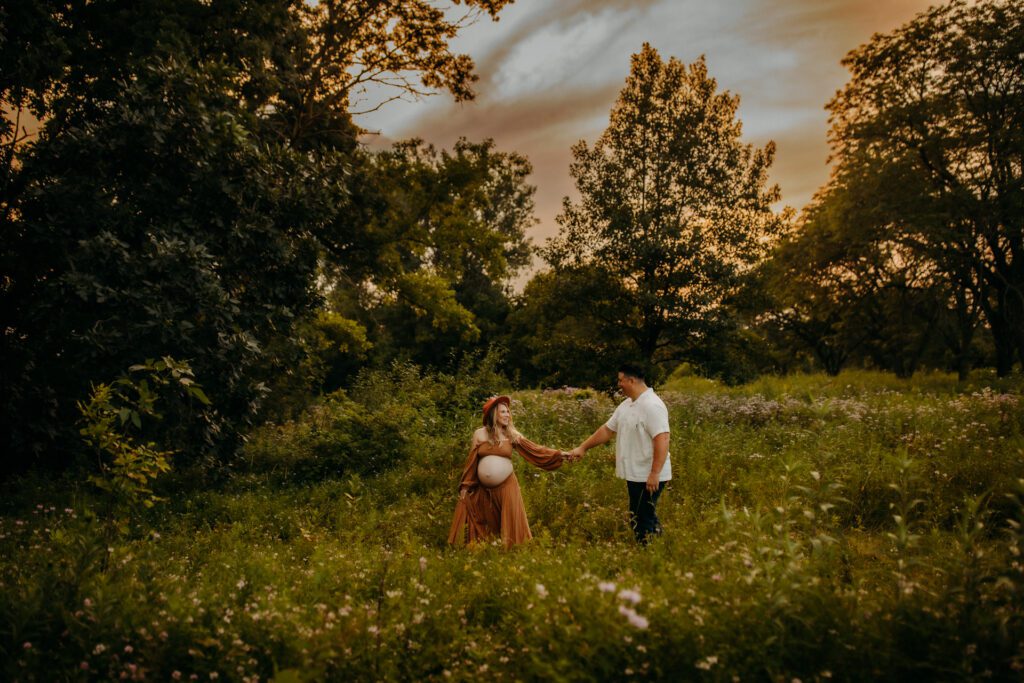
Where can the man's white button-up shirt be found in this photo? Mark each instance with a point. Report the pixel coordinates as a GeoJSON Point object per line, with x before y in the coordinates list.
{"type": "Point", "coordinates": [635, 424]}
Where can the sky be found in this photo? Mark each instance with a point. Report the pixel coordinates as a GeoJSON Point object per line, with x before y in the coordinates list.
{"type": "Point", "coordinates": [550, 71]}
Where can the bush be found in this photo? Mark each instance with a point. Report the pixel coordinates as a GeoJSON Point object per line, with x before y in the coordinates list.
{"type": "Point", "coordinates": [386, 417]}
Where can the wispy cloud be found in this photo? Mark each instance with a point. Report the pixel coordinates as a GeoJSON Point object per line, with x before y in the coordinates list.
{"type": "Point", "coordinates": [550, 72]}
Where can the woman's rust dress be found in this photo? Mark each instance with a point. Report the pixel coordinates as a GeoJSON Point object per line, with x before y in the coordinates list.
{"type": "Point", "coordinates": [485, 512]}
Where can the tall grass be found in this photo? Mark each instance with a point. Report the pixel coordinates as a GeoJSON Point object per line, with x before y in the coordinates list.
{"type": "Point", "coordinates": [850, 528]}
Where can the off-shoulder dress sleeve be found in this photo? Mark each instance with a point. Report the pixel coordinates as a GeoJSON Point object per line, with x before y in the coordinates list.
{"type": "Point", "coordinates": [540, 456]}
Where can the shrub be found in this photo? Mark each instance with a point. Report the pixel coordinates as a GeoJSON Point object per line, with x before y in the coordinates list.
{"type": "Point", "coordinates": [387, 416]}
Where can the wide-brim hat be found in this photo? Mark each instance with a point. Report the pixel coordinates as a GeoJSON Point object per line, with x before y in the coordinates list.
{"type": "Point", "coordinates": [493, 401]}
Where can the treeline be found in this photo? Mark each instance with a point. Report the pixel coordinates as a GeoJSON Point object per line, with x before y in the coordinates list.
{"type": "Point", "coordinates": [195, 191]}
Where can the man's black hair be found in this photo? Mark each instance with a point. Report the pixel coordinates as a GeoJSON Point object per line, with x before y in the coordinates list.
{"type": "Point", "coordinates": [634, 370]}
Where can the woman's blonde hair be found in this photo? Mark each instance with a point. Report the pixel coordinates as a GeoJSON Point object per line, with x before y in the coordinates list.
{"type": "Point", "coordinates": [492, 429]}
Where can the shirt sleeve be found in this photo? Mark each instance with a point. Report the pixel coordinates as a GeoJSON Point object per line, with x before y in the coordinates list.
{"type": "Point", "coordinates": [656, 418]}
{"type": "Point", "coordinates": [613, 421]}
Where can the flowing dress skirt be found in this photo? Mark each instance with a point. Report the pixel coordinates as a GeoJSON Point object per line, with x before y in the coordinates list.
{"type": "Point", "coordinates": [483, 513]}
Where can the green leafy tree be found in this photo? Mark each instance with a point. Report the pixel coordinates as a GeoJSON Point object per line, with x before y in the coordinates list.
{"type": "Point", "coordinates": [937, 104]}
{"type": "Point", "coordinates": [673, 207]}
{"type": "Point", "coordinates": [191, 170]}
{"type": "Point", "coordinates": [163, 226]}
{"type": "Point", "coordinates": [550, 338]}
{"type": "Point", "coordinates": [449, 229]}
{"type": "Point", "coordinates": [842, 287]}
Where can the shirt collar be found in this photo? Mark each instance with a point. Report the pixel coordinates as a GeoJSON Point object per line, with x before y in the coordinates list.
{"type": "Point", "coordinates": [646, 391]}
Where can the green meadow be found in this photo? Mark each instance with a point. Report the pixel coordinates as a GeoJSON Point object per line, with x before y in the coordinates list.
{"type": "Point", "coordinates": [856, 527]}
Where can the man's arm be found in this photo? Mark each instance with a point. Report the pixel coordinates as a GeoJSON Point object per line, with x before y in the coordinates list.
{"type": "Point", "coordinates": [660, 443]}
{"type": "Point", "coordinates": [602, 435]}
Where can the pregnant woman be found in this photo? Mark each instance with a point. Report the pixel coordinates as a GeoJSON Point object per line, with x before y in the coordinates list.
{"type": "Point", "coordinates": [490, 502]}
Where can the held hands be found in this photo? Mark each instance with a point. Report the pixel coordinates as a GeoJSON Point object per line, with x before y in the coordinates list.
{"type": "Point", "coordinates": [652, 482]}
{"type": "Point", "coordinates": [575, 455]}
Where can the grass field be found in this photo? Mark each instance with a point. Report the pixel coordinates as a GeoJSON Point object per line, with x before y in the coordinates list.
{"type": "Point", "coordinates": [850, 528]}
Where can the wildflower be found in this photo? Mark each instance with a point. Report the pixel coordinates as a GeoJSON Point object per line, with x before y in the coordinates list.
{"type": "Point", "coordinates": [176, 675]}
{"type": "Point", "coordinates": [606, 587]}
{"type": "Point", "coordinates": [633, 618]}
{"type": "Point", "coordinates": [707, 663]}
{"type": "Point", "coordinates": [128, 649]}
{"type": "Point", "coordinates": [541, 590]}
{"type": "Point", "coordinates": [241, 584]}
{"type": "Point", "coordinates": [27, 645]}
{"type": "Point", "coordinates": [84, 666]}
{"type": "Point", "coordinates": [423, 564]}
{"type": "Point", "coordinates": [87, 602]}
{"type": "Point", "coordinates": [630, 595]}
{"type": "Point", "coordinates": [99, 649]}
{"type": "Point", "coordinates": [716, 577]}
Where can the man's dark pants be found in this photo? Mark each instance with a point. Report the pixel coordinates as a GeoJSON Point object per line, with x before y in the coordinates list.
{"type": "Point", "coordinates": [642, 516]}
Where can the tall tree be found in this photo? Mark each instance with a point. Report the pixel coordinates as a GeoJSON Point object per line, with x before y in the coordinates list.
{"type": "Point", "coordinates": [845, 284]}
{"type": "Point", "coordinates": [673, 206]}
{"type": "Point", "coordinates": [940, 99]}
{"type": "Point", "coordinates": [191, 168]}
{"type": "Point", "coordinates": [450, 228]}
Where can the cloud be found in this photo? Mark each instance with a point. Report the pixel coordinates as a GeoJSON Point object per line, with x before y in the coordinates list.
{"type": "Point", "coordinates": [550, 73]}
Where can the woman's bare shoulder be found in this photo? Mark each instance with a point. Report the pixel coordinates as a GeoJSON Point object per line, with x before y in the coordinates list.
{"type": "Point", "coordinates": [480, 435]}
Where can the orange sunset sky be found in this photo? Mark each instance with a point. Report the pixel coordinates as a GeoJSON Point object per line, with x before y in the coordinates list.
{"type": "Point", "coordinates": [550, 72]}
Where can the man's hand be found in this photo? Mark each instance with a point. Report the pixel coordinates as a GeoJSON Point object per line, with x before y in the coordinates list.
{"type": "Point", "coordinates": [576, 454]}
{"type": "Point", "coordinates": [652, 482]}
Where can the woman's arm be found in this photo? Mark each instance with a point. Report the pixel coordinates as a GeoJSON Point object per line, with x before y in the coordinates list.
{"type": "Point", "coordinates": [540, 456]}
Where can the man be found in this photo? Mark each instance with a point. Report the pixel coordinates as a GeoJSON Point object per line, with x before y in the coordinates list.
{"type": "Point", "coordinates": [640, 428]}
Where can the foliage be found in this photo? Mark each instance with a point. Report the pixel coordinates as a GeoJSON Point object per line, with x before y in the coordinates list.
{"type": "Point", "coordinates": [324, 354]}
{"type": "Point", "coordinates": [381, 422]}
{"type": "Point", "coordinates": [554, 341]}
{"type": "Point", "coordinates": [190, 172]}
{"type": "Point", "coordinates": [928, 128]}
{"type": "Point", "coordinates": [172, 229]}
{"type": "Point", "coordinates": [448, 229]}
{"type": "Point", "coordinates": [782, 556]}
{"type": "Point", "coordinates": [674, 208]}
{"type": "Point", "coordinates": [127, 467]}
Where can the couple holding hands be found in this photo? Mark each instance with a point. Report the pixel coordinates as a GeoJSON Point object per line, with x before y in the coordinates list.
{"type": "Point", "coordinates": [490, 502]}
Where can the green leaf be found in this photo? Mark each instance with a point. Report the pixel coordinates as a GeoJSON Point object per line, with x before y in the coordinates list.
{"type": "Point", "coordinates": [198, 393]}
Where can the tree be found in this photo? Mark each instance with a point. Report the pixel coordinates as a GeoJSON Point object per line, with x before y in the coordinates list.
{"type": "Point", "coordinates": [551, 339]}
{"type": "Point", "coordinates": [450, 234]}
{"type": "Point", "coordinates": [937, 103]}
{"type": "Point", "coordinates": [165, 226]}
{"type": "Point", "coordinates": [673, 207]}
{"type": "Point", "coordinates": [192, 169]}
